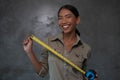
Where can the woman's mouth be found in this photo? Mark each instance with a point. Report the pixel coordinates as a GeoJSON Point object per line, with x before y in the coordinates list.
{"type": "Point", "coordinates": [66, 26]}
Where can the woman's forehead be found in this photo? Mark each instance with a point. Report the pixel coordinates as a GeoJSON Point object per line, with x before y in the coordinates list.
{"type": "Point", "coordinates": [64, 12]}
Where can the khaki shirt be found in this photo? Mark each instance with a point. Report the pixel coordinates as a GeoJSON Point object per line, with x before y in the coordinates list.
{"type": "Point", "coordinates": [58, 69]}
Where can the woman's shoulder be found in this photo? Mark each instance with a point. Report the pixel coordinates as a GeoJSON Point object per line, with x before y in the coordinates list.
{"type": "Point", "coordinates": [54, 37]}
{"type": "Point", "coordinates": [51, 38]}
{"type": "Point", "coordinates": [86, 45]}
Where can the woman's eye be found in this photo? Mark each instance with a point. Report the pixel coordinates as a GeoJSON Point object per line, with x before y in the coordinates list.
{"type": "Point", "coordinates": [69, 16]}
{"type": "Point", "coordinates": [59, 18]}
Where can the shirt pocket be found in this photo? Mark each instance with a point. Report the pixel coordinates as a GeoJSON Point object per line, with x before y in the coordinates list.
{"type": "Point", "coordinates": [77, 59]}
{"type": "Point", "coordinates": [53, 58]}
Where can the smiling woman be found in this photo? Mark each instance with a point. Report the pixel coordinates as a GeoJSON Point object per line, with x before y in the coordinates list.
{"type": "Point", "coordinates": [67, 43]}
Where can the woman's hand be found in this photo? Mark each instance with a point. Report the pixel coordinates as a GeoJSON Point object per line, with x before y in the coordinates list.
{"type": "Point", "coordinates": [27, 45]}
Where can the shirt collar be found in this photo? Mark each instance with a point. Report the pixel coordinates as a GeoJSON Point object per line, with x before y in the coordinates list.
{"type": "Point", "coordinates": [60, 38]}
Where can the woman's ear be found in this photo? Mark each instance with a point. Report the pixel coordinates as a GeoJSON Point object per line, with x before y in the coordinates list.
{"type": "Point", "coordinates": [78, 20]}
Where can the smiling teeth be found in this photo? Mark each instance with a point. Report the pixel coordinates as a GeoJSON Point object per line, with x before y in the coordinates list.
{"type": "Point", "coordinates": [65, 26]}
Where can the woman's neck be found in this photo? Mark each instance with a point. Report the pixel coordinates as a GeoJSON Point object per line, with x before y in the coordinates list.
{"type": "Point", "coordinates": [69, 40]}
{"type": "Point", "coordinates": [69, 36]}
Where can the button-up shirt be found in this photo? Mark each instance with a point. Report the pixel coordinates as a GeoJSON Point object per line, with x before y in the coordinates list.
{"type": "Point", "coordinates": [58, 69]}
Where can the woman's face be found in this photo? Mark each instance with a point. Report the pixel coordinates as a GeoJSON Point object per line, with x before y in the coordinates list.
{"type": "Point", "coordinates": [67, 21]}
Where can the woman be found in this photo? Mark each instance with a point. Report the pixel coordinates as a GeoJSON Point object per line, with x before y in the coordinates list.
{"type": "Point", "coordinates": [67, 43]}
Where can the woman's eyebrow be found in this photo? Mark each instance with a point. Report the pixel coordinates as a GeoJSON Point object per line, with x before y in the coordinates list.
{"type": "Point", "coordinates": [68, 15]}
{"type": "Point", "coordinates": [65, 15]}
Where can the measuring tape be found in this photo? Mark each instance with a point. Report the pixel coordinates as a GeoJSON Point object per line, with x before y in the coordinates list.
{"type": "Point", "coordinates": [89, 74]}
{"type": "Point", "coordinates": [56, 53]}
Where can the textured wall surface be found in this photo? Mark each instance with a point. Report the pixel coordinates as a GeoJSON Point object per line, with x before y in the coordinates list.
{"type": "Point", "coordinates": [100, 28]}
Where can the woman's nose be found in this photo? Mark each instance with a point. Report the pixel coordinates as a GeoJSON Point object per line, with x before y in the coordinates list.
{"type": "Point", "coordinates": [64, 20]}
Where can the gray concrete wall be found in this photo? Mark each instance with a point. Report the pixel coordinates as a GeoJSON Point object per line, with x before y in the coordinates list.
{"type": "Point", "coordinates": [100, 28]}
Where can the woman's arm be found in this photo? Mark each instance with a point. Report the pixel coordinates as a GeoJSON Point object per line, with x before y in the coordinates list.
{"type": "Point", "coordinates": [27, 45]}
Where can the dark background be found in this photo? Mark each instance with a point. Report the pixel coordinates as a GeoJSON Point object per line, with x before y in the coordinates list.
{"type": "Point", "coordinates": [100, 28]}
